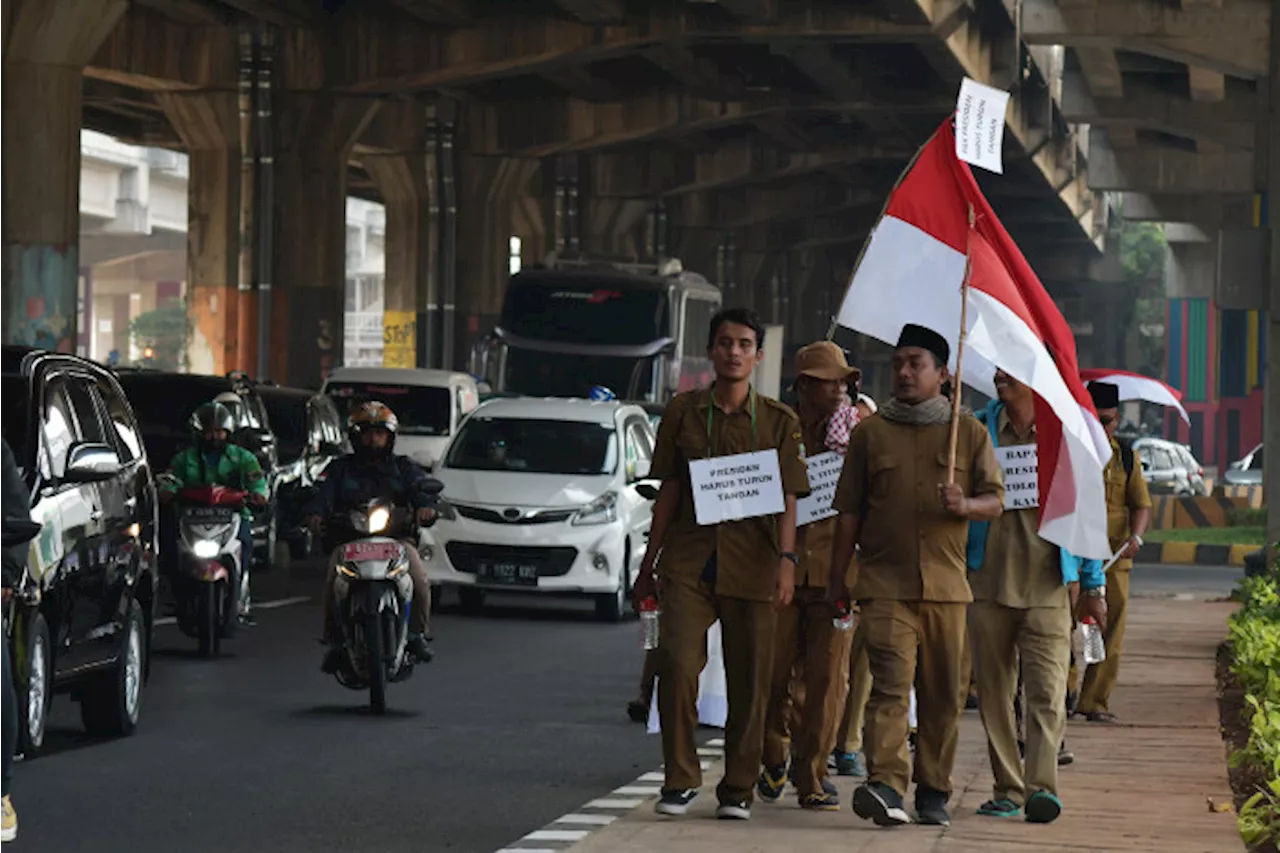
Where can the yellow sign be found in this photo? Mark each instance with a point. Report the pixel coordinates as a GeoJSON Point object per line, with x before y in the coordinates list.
{"type": "Point", "coordinates": [399, 339]}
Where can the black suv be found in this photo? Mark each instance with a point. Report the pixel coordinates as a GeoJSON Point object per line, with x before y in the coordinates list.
{"type": "Point", "coordinates": [164, 403]}
{"type": "Point", "coordinates": [83, 619]}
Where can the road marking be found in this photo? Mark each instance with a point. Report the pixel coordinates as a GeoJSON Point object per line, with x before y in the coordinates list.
{"type": "Point", "coordinates": [706, 750]}
{"type": "Point", "coordinates": [716, 741]}
{"type": "Point", "coordinates": [557, 835]}
{"type": "Point", "coordinates": [528, 850]}
{"type": "Point", "coordinates": [653, 777]}
{"type": "Point", "coordinates": [587, 819]}
{"type": "Point", "coordinates": [638, 791]}
{"type": "Point", "coordinates": [263, 605]}
{"type": "Point", "coordinates": [167, 620]}
{"type": "Point", "coordinates": [624, 805]}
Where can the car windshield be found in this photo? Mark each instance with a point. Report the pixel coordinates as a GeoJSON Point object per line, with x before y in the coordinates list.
{"type": "Point", "coordinates": [15, 415]}
{"type": "Point", "coordinates": [164, 404]}
{"type": "Point", "coordinates": [1256, 461]}
{"type": "Point", "coordinates": [549, 374]}
{"type": "Point", "coordinates": [421, 409]}
{"type": "Point", "coordinates": [288, 416]}
{"type": "Point", "coordinates": [534, 446]}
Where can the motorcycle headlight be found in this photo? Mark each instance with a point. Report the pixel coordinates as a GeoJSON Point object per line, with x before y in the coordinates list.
{"type": "Point", "coordinates": [602, 510]}
{"type": "Point", "coordinates": [379, 517]}
{"type": "Point", "coordinates": [359, 521]}
{"type": "Point", "coordinates": [398, 569]}
{"type": "Point", "coordinates": [205, 549]}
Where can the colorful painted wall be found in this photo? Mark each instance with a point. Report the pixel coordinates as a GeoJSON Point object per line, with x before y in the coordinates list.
{"type": "Point", "coordinates": [1217, 358]}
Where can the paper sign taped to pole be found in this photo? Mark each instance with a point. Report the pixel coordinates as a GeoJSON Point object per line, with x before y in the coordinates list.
{"type": "Point", "coordinates": [980, 125]}
{"type": "Point", "coordinates": [1021, 469]}
{"type": "Point", "coordinates": [728, 488]}
{"type": "Point", "coordinates": [824, 473]}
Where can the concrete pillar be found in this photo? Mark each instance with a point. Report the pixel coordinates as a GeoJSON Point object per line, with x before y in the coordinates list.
{"type": "Point", "coordinates": [407, 184]}
{"type": "Point", "coordinates": [1271, 415]}
{"type": "Point", "coordinates": [209, 126]}
{"type": "Point", "coordinates": [47, 44]}
{"type": "Point", "coordinates": [488, 189]}
{"type": "Point", "coordinates": [314, 134]}
{"type": "Point", "coordinates": [613, 225]}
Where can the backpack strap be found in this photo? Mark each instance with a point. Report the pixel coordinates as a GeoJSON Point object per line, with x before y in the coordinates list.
{"type": "Point", "coordinates": [1126, 459]}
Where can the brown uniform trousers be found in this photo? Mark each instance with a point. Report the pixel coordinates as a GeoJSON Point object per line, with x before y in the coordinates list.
{"type": "Point", "coordinates": [912, 587]}
{"type": "Point", "coordinates": [858, 689]}
{"type": "Point", "coordinates": [745, 556]}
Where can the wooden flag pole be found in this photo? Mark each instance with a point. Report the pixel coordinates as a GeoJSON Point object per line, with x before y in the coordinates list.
{"type": "Point", "coordinates": [964, 331]}
{"type": "Point", "coordinates": [902, 176]}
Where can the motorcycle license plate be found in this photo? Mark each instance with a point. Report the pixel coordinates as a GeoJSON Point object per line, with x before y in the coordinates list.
{"type": "Point", "coordinates": [508, 573]}
{"type": "Point", "coordinates": [357, 551]}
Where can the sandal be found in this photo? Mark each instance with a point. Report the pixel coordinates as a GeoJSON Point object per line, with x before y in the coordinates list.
{"type": "Point", "coordinates": [1101, 717]}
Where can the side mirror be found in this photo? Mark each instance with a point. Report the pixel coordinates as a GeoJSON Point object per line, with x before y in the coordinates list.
{"type": "Point", "coordinates": [90, 463]}
{"type": "Point", "coordinates": [648, 491]}
{"type": "Point", "coordinates": [640, 469]}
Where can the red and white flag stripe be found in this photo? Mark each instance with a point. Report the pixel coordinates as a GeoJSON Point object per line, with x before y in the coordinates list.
{"type": "Point", "coordinates": [912, 272]}
{"type": "Point", "coordinates": [1135, 386]}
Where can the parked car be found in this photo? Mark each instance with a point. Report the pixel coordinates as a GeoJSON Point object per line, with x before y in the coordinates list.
{"type": "Point", "coordinates": [88, 631]}
{"type": "Point", "coordinates": [309, 435]}
{"type": "Point", "coordinates": [164, 402]}
{"type": "Point", "coordinates": [543, 496]}
{"type": "Point", "coordinates": [430, 404]}
{"type": "Point", "coordinates": [1169, 467]}
{"type": "Point", "coordinates": [1246, 471]}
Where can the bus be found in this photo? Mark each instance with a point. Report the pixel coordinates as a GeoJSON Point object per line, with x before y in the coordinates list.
{"type": "Point", "coordinates": [568, 325]}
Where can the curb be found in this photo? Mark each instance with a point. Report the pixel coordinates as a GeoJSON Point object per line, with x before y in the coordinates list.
{"type": "Point", "coordinates": [1194, 553]}
{"type": "Point", "coordinates": [567, 830]}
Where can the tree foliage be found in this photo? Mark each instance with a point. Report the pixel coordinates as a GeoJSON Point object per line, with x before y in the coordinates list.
{"type": "Point", "coordinates": [164, 330]}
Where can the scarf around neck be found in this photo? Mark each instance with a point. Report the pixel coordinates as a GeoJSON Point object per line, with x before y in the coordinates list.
{"type": "Point", "coordinates": [934, 411]}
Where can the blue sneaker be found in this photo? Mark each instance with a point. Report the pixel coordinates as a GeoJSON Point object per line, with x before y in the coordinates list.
{"type": "Point", "coordinates": [1003, 807]}
{"type": "Point", "coordinates": [851, 764]}
{"type": "Point", "coordinates": [1043, 807]}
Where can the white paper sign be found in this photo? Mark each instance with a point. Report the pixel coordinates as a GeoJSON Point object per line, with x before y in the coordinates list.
{"type": "Point", "coordinates": [1020, 465]}
{"type": "Point", "coordinates": [980, 125]}
{"type": "Point", "coordinates": [824, 473]}
{"type": "Point", "coordinates": [745, 485]}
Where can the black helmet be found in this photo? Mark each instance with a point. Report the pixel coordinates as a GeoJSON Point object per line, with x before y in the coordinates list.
{"type": "Point", "coordinates": [212, 416]}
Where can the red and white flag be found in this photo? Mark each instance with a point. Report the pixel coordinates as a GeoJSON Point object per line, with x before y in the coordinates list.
{"type": "Point", "coordinates": [1135, 386]}
{"type": "Point", "coordinates": [913, 271]}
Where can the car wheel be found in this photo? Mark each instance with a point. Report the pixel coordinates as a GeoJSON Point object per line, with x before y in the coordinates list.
{"type": "Point", "coordinates": [35, 690]}
{"type": "Point", "coordinates": [266, 555]}
{"type": "Point", "coordinates": [112, 701]}
{"type": "Point", "coordinates": [611, 606]}
{"type": "Point", "coordinates": [472, 599]}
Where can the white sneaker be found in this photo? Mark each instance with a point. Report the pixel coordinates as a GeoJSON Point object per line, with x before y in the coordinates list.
{"type": "Point", "coordinates": [734, 811]}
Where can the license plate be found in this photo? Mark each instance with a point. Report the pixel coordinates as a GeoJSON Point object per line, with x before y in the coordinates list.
{"type": "Point", "coordinates": [358, 551]}
{"type": "Point", "coordinates": [522, 574]}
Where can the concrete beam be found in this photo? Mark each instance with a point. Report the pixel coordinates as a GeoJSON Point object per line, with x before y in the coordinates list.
{"type": "Point", "coordinates": [819, 63]}
{"type": "Point", "coordinates": [1166, 170]}
{"type": "Point", "coordinates": [1206, 86]}
{"type": "Point", "coordinates": [756, 206]}
{"type": "Point", "coordinates": [149, 51]}
{"type": "Point", "coordinates": [189, 11]}
{"type": "Point", "coordinates": [601, 12]}
{"type": "Point", "coordinates": [1073, 263]}
{"type": "Point", "coordinates": [744, 164]}
{"type": "Point", "coordinates": [1102, 71]}
{"type": "Point", "coordinates": [1231, 38]}
{"type": "Point", "coordinates": [757, 11]}
{"type": "Point", "coordinates": [1228, 122]}
{"type": "Point", "coordinates": [454, 12]}
{"type": "Point", "coordinates": [700, 77]}
{"type": "Point", "coordinates": [1225, 210]}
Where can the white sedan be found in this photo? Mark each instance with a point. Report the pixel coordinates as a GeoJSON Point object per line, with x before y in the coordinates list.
{"type": "Point", "coordinates": [544, 496]}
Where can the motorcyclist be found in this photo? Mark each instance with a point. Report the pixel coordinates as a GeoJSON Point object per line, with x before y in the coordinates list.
{"type": "Point", "coordinates": [374, 471]}
{"type": "Point", "coordinates": [214, 461]}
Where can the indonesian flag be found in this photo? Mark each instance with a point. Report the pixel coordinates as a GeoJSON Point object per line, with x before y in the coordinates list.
{"type": "Point", "coordinates": [1135, 386]}
{"type": "Point", "coordinates": [912, 271]}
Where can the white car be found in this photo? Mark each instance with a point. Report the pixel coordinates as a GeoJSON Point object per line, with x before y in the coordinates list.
{"type": "Point", "coordinates": [543, 496]}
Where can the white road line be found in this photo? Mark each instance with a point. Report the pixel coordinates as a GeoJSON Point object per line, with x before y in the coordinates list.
{"type": "Point", "coordinates": [587, 819]}
{"type": "Point", "coordinates": [705, 765]}
{"type": "Point", "coordinates": [716, 741]}
{"type": "Point", "coordinates": [167, 620]}
{"type": "Point", "coordinates": [528, 850]}
{"type": "Point", "coordinates": [557, 835]}
{"type": "Point", "coordinates": [637, 791]}
{"type": "Point", "coordinates": [653, 777]}
{"type": "Point", "coordinates": [262, 605]}
{"type": "Point", "coordinates": [620, 804]}
{"type": "Point", "coordinates": [706, 750]}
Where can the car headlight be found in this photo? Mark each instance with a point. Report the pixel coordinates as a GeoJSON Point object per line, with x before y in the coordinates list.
{"type": "Point", "coordinates": [602, 510]}
{"type": "Point", "coordinates": [205, 549]}
{"type": "Point", "coordinates": [444, 510]}
{"type": "Point", "coordinates": [379, 517]}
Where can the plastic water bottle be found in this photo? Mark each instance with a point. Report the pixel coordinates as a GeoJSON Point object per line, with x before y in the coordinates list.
{"type": "Point", "coordinates": [844, 616]}
{"type": "Point", "coordinates": [1095, 650]}
{"type": "Point", "coordinates": [649, 622]}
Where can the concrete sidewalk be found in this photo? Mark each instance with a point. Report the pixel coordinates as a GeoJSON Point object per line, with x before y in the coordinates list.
{"type": "Point", "coordinates": [1142, 785]}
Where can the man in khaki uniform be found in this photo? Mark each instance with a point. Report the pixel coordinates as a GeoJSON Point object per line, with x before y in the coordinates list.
{"type": "Point", "coordinates": [1128, 514]}
{"type": "Point", "coordinates": [894, 500]}
{"type": "Point", "coordinates": [735, 571]}
{"type": "Point", "coordinates": [1021, 622]}
{"type": "Point", "coordinates": [807, 642]}
{"type": "Point", "coordinates": [848, 750]}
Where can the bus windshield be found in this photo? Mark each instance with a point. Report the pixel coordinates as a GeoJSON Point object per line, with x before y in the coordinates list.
{"type": "Point", "coordinates": [550, 374]}
{"type": "Point", "coordinates": [585, 311]}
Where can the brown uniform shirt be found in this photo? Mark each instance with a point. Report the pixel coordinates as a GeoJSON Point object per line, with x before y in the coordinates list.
{"type": "Point", "coordinates": [814, 541]}
{"type": "Point", "coordinates": [1125, 492]}
{"type": "Point", "coordinates": [747, 550]}
{"type": "Point", "coordinates": [1019, 569]}
{"type": "Point", "coordinates": [913, 549]}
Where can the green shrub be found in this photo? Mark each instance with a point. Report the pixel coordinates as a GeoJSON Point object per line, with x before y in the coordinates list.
{"type": "Point", "coordinates": [1255, 638]}
{"type": "Point", "coordinates": [1247, 516]}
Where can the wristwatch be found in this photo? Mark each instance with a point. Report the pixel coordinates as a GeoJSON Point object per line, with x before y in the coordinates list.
{"type": "Point", "coordinates": [1095, 592]}
{"type": "Point", "coordinates": [792, 556]}
{"type": "Point", "coordinates": [1136, 538]}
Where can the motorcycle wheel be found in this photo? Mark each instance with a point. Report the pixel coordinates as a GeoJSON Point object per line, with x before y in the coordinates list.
{"type": "Point", "coordinates": [207, 621]}
{"type": "Point", "coordinates": [377, 665]}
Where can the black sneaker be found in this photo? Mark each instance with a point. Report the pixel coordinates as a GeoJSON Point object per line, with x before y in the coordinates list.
{"type": "Point", "coordinates": [418, 647]}
{"type": "Point", "coordinates": [637, 711]}
{"type": "Point", "coordinates": [880, 804]}
{"type": "Point", "coordinates": [675, 803]}
{"type": "Point", "coordinates": [1065, 756]}
{"type": "Point", "coordinates": [931, 807]}
{"type": "Point", "coordinates": [823, 801]}
{"type": "Point", "coordinates": [740, 810]}
{"type": "Point", "coordinates": [771, 783]}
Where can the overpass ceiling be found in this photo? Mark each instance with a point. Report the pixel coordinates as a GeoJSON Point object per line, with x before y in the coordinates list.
{"type": "Point", "coordinates": [852, 87]}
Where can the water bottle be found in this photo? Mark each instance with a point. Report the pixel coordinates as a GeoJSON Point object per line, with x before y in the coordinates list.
{"type": "Point", "coordinates": [844, 616]}
{"type": "Point", "coordinates": [649, 622]}
{"type": "Point", "coordinates": [1095, 650]}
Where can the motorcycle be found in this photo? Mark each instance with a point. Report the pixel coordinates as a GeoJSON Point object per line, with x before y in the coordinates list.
{"type": "Point", "coordinates": [372, 596]}
{"type": "Point", "coordinates": [209, 597]}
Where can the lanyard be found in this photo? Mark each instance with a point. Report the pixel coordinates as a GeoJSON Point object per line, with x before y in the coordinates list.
{"type": "Point", "coordinates": [711, 408]}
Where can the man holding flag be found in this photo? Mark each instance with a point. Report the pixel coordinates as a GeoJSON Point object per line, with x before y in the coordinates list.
{"type": "Point", "coordinates": [897, 501]}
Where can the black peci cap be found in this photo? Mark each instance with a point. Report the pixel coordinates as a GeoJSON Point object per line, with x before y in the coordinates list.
{"type": "Point", "coordinates": [1105, 395]}
{"type": "Point", "coordinates": [918, 336]}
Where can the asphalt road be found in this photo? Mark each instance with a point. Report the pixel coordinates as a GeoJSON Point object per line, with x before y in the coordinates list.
{"type": "Point", "coordinates": [520, 719]}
